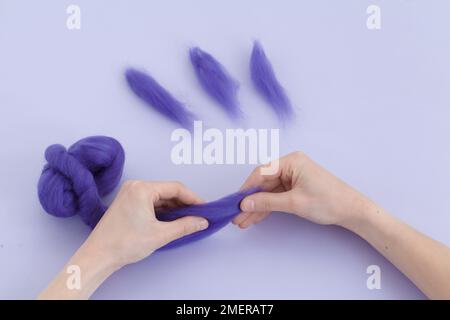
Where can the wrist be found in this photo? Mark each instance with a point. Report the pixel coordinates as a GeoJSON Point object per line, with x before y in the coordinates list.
{"type": "Point", "coordinates": [99, 259]}
{"type": "Point", "coordinates": [94, 266]}
{"type": "Point", "coordinates": [81, 276]}
{"type": "Point", "coordinates": [359, 214]}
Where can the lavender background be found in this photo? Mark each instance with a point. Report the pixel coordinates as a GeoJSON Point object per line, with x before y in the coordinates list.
{"type": "Point", "coordinates": [373, 107]}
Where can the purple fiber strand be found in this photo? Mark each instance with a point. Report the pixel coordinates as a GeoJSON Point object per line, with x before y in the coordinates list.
{"type": "Point", "coordinates": [266, 83]}
{"type": "Point", "coordinates": [218, 213]}
{"type": "Point", "coordinates": [216, 81]}
{"type": "Point", "coordinates": [74, 180]}
{"type": "Point", "coordinates": [149, 90]}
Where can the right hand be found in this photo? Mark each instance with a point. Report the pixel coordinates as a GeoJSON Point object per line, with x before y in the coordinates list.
{"type": "Point", "coordinates": [301, 187]}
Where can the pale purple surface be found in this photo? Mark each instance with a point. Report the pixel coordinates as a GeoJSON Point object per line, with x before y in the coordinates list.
{"type": "Point", "coordinates": [375, 108]}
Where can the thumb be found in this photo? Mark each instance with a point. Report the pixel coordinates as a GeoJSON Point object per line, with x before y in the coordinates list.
{"type": "Point", "coordinates": [183, 226]}
{"type": "Point", "coordinates": [267, 202]}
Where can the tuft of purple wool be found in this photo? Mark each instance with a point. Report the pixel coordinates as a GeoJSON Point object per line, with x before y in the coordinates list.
{"type": "Point", "coordinates": [74, 180]}
{"type": "Point", "coordinates": [216, 81]}
{"type": "Point", "coordinates": [266, 83]}
{"type": "Point", "coordinates": [151, 92]}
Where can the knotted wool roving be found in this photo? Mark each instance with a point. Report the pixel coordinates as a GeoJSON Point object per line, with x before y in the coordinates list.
{"type": "Point", "coordinates": [74, 180]}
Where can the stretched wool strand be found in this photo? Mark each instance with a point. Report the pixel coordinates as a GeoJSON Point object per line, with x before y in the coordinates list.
{"type": "Point", "coordinates": [150, 91]}
{"type": "Point", "coordinates": [216, 81]}
{"type": "Point", "coordinates": [73, 182]}
{"type": "Point", "coordinates": [266, 83]}
{"type": "Point", "coordinates": [218, 213]}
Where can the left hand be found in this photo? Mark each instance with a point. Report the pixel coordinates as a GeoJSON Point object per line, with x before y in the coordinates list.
{"type": "Point", "coordinates": [129, 231]}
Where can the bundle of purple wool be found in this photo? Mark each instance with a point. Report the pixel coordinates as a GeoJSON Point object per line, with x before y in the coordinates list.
{"type": "Point", "coordinates": [267, 84]}
{"type": "Point", "coordinates": [74, 180]}
{"type": "Point", "coordinates": [216, 81]}
{"type": "Point", "coordinates": [156, 96]}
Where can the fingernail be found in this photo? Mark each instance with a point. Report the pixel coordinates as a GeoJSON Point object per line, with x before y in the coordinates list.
{"type": "Point", "coordinates": [202, 224]}
{"type": "Point", "coordinates": [248, 205]}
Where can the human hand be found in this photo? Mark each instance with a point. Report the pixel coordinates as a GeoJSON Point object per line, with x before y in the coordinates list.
{"type": "Point", "coordinates": [129, 230]}
{"type": "Point", "coordinates": [301, 187]}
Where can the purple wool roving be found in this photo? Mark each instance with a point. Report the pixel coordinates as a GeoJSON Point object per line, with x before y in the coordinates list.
{"type": "Point", "coordinates": [74, 180]}
{"type": "Point", "coordinates": [267, 85]}
{"type": "Point", "coordinates": [216, 81]}
{"type": "Point", "coordinates": [149, 90]}
{"type": "Point", "coordinates": [218, 213]}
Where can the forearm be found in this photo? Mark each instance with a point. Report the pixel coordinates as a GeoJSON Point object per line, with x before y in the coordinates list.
{"type": "Point", "coordinates": [423, 260]}
{"type": "Point", "coordinates": [92, 268]}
